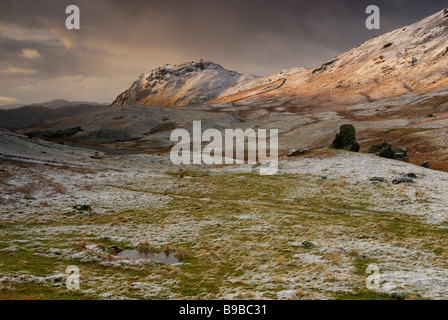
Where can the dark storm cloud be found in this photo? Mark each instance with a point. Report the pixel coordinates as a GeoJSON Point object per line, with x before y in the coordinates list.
{"type": "Point", "coordinates": [119, 39]}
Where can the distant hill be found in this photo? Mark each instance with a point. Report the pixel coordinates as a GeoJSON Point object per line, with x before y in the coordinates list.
{"type": "Point", "coordinates": [11, 106]}
{"type": "Point", "coordinates": [17, 118]}
{"type": "Point", "coordinates": [53, 104]}
{"type": "Point", "coordinates": [59, 103]}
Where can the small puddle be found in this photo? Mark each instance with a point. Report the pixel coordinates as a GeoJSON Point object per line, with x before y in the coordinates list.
{"type": "Point", "coordinates": [137, 255]}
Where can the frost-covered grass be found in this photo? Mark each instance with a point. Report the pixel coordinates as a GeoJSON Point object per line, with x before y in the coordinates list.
{"type": "Point", "coordinates": [237, 235]}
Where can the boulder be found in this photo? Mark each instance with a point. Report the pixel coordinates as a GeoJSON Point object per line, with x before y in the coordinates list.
{"type": "Point", "coordinates": [297, 152]}
{"type": "Point", "coordinates": [307, 244]}
{"type": "Point", "coordinates": [426, 165]}
{"type": "Point", "coordinates": [401, 180]}
{"type": "Point", "coordinates": [385, 150]}
{"type": "Point", "coordinates": [346, 139]}
{"type": "Point", "coordinates": [401, 154]}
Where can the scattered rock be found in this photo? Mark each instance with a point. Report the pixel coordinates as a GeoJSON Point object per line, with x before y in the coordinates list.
{"type": "Point", "coordinates": [346, 139]}
{"type": "Point", "coordinates": [307, 244]}
{"type": "Point", "coordinates": [83, 208]}
{"type": "Point", "coordinates": [426, 165]}
{"type": "Point", "coordinates": [377, 179]}
{"type": "Point", "coordinates": [411, 175]}
{"type": "Point", "coordinates": [401, 154]}
{"type": "Point", "coordinates": [430, 116]}
{"type": "Point", "coordinates": [297, 152]}
{"type": "Point", "coordinates": [401, 180]}
{"type": "Point", "coordinates": [385, 150]}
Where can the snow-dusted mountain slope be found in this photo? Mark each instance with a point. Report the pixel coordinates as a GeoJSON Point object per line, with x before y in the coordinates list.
{"type": "Point", "coordinates": [240, 87]}
{"type": "Point", "coordinates": [409, 59]}
{"type": "Point", "coordinates": [406, 60]}
{"type": "Point", "coordinates": [191, 83]}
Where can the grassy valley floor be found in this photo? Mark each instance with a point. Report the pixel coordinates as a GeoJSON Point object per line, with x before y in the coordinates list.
{"type": "Point", "coordinates": [237, 235]}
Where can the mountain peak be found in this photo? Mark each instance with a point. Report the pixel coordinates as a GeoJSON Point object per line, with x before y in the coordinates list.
{"type": "Point", "coordinates": [190, 83]}
{"type": "Point", "coordinates": [409, 59]}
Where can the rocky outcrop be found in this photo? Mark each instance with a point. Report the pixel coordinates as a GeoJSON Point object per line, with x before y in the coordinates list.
{"type": "Point", "coordinates": [401, 180]}
{"type": "Point", "coordinates": [297, 152]}
{"type": "Point", "coordinates": [108, 136]}
{"type": "Point", "coordinates": [385, 150]}
{"type": "Point", "coordinates": [55, 134]}
{"type": "Point", "coordinates": [346, 139]}
{"type": "Point", "coordinates": [401, 154]}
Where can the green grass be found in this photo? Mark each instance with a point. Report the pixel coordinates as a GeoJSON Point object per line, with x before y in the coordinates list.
{"type": "Point", "coordinates": [230, 248]}
{"type": "Point", "coordinates": [32, 291]}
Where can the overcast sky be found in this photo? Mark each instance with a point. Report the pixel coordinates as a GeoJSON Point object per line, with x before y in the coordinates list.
{"type": "Point", "coordinates": [41, 60]}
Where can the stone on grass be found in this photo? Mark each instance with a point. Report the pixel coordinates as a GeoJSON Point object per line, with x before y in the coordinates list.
{"type": "Point", "coordinates": [346, 139]}
{"type": "Point", "coordinates": [385, 150]}
{"type": "Point", "coordinates": [401, 180]}
{"type": "Point", "coordinates": [426, 165]}
{"type": "Point", "coordinates": [401, 154]}
{"type": "Point", "coordinates": [297, 152]}
{"type": "Point", "coordinates": [307, 244]}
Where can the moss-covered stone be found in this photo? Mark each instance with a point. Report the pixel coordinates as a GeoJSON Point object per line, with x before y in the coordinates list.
{"type": "Point", "coordinates": [385, 150]}
{"type": "Point", "coordinates": [346, 139]}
